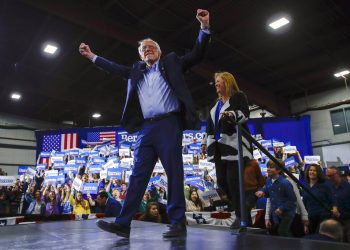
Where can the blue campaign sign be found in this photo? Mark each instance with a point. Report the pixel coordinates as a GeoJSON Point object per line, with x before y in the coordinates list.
{"type": "Point", "coordinates": [59, 165]}
{"type": "Point", "coordinates": [40, 166]}
{"type": "Point", "coordinates": [95, 169]}
{"type": "Point", "coordinates": [50, 179]}
{"type": "Point", "coordinates": [290, 162]}
{"type": "Point", "coordinates": [60, 178]}
{"type": "Point", "coordinates": [114, 173]}
{"type": "Point", "coordinates": [62, 154]}
{"type": "Point", "coordinates": [125, 139]}
{"type": "Point", "coordinates": [189, 179]}
{"type": "Point", "coordinates": [22, 170]}
{"type": "Point", "coordinates": [197, 184]}
{"type": "Point", "coordinates": [113, 150]}
{"type": "Point", "coordinates": [194, 148]}
{"type": "Point", "coordinates": [71, 167]}
{"type": "Point", "coordinates": [153, 180]}
{"type": "Point", "coordinates": [97, 160]}
{"type": "Point", "coordinates": [266, 143]}
{"type": "Point", "coordinates": [94, 153]}
{"type": "Point", "coordinates": [91, 188]}
{"type": "Point", "coordinates": [45, 154]}
{"type": "Point", "coordinates": [188, 169]}
{"type": "Point", "coordinates": [80, 161]}
{"type": "Point", "coordinates": [74, 152]}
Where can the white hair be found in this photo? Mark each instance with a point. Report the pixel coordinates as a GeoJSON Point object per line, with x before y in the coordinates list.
{"type": "Point", "coordinates": [148, 39]}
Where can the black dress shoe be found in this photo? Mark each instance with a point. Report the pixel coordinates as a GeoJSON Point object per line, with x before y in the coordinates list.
{"type": "Point", "coordinates": [112, 227]}
{"type": "Point", "coordinates": [175, 230]}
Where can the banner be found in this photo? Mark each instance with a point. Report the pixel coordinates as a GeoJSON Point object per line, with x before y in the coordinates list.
{"type": "Point", "coordinates": [211, 194]}
{"type": "Point", "coordinates": [7, 181]}
{"type": "Point", "coordinates": [290, 162]}
{"type": "Point", "coordinates": [59, 165]}
{"type": "Point", "coordinates": [95, 169]}
{"type": "Point", "coordinates": [56, 158]}
{"type": "Point", "coordinates": [205, 164]}
{"type": "Point", "coordinates": [22, 170]}
{"type": "Point", "coordinates": [312, 159]}
{"type": "Point", "coordinates": [290, 149]}
{"type": "Point", "coordinates": [189, 179]}
{"type": "Point", "coordinates": [51, 179]}
{"type": "Point", "coordinates": [91, 188]}
{"type": "Point", "coordinates": [51, 173]}
{"type": "Point", "coordinates": [187, 158]}
{"type": "Point", "coordinates": [71, 168]}
{"type": "Point", "coordinates": [115, 173]}
{"type": "Point", "coordinates": [188, 169]}
{"type": "Point", "coordinates": [97, 160]}
{"type": "Point", "coordinates": [77, 184]}
{"type": "Point", "coordinates": [40, 166]}
{"type": "Point", "coordinates": [80, 161]}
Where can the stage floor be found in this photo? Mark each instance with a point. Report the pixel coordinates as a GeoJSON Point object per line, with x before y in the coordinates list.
{"type": "Point", "coordinates": [86, 235]}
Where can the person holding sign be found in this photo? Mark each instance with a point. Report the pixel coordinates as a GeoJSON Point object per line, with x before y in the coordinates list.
{"type": "Point", "coordinates": [158, 101]}
{"type": "Point", "coordinates": [221, 137]}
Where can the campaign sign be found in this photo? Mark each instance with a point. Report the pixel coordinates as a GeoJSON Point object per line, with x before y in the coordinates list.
{"type": "Point", "coordinates": [153, 180]}
{"type": "Point", "coordinates": [61, 179]}
{"type": "Point", "coordinates": [124, 151]}
{"type": "Point", "coordinates": [289, 149]}
{"type": "Point", "coordinates": [290, 162]}
{"type": "Point", "coordinates": [56, 158]}
{"type": "Point", "coordinates": [113, 150]}
{"type": "Point", "coordinates": [95, 169]}
{"type": "Point", "coordinates": [103, 174]}
{"type": "Point", "coordinates": [266, 143]}
{"type": "Point", "coordinates": [22, 170]}
{"type": "Point", "coordinates": [163, 182]}
{"type": "Point", "coordinates": [158, 168]}
{"type": "Point", "coordinates": [52, 179]}
{"type": "Point", "coordinates": [188, 169]}
{"type": "Point", "coordinates": [45, 154]}
{"type": "Point", "coordinates": [256, 154]}
{"type": "Point", "coordinates": [71, 168]}
{"type": "Point", "coordinates": [40, 166]}
{"type": "Point", "coordinates": [114, 173]}
{"type": "Point", "coordinates": [31, 172]}
{"type": "Point", "coordinates": [205, 164]}
{"type": "Point", "coordinates": [97, 160]}
{"type": "Point", "coordinates": [277, 143]}
{"type": "Point", "coordinates": [126, 139]}
{"type": "Point", "coordinates": [211, 194]}
{"type": "Point", "coordinates": [127, 175]}
{"type": "Point", "coordinates": [7, 181]}
{"type": "Point", "coordinates": [212, 174]}
{"type": "Point", "coordinates": [197, 184]}
{"type": "Point", "coordinates": [91, 188]}
{"type": "Point", "coordinates": [51, 173]}
{"type": "Point", "coordinates": [74, 152]}
{"type": "Point", "coordinates": [61, 154]}
{"type": "Point", "coordinates": [192, 179]}
{"type": "Point", "coordinates": [84, 154]}
{"type": "Point", "coordinates": [194, 148]}
{"type": "Point", "coordinates": [312, 159]}
{"type": "Point", "coordinates": [187, 158]}
{"type": "Point", "coordinates": [93, 153]}
{"type": "Point", "coordinates": [77, 184]}
{"type": "Point", "coordinates": [80, 161]}
{"type": "Point", "coordinates": [59, 165]}
{"type": "Point", "coordinates": [126, 163]}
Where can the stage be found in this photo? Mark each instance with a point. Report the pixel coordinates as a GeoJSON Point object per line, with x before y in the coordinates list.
{"type": "Point", "coordinates": [85, 235]}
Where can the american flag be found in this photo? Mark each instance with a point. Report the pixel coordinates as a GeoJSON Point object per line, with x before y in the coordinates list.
{"type": "Point", "coordinates": [60, 142]}
{"type": "Point", "coordinates": [100, 137]}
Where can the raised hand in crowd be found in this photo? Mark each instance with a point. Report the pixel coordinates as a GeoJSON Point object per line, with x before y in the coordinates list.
{"type": "Point", "coordinates": [203, 17]}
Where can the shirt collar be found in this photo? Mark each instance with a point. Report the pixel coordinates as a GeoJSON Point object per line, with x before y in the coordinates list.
{"type": "Point", "coordinates": [155, 67]}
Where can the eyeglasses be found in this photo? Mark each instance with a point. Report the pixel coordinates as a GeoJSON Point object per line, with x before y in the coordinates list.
{"type": "Point", "coordinates": [151, 47]}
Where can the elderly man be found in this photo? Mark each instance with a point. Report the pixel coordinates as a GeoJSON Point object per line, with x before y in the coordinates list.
{"type": "Point", "coordinates": [158, 105]}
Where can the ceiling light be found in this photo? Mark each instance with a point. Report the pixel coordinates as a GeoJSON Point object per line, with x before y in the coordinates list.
{"type": "Point", "coordinates": [50, 49]}
{"type": "Point", "coordinates": [341, 73]}
{"type": "Point", "coordinates": [96, 115]}
{"type": "Point", "coordinates": [279, 23]}
{"type": "Point", "coordinates": [16, 96]}
{"type": "Point", "coordinates": [336, 125]}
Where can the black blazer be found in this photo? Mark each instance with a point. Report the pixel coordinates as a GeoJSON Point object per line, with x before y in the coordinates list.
{"type": "Point", "coordinates": [172, 68]}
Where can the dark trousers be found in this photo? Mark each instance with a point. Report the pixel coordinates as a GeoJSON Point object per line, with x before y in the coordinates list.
{"type": "Point", "coordinates": [157, 139]}
{"type": "Point", "coordinates": [227, 179]}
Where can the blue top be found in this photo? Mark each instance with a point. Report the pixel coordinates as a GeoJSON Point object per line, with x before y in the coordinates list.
{"type": "Point", "coordinates": [155, 95]}
{"type": "Point", "coordinates": [217, 117]}
{"type": "Point", "coordinates": [324, 193]}
{"type": "Point", "coordinates": [282, 196]}
{"type": "Point", "coordinates": [341, 194]}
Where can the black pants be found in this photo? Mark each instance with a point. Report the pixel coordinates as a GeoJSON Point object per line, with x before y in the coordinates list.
{"type": "Point", "coordinates": [227, 179]}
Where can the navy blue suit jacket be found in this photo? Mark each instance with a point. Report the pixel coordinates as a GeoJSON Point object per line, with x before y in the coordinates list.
{"type": "Point", "coordinates": [112, 208]}
{"type": "Point", "coordinates": [172, 68]}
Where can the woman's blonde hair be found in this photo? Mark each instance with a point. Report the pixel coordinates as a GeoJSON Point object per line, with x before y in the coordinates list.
{"type": "Point", "coordinates": [231, 85]}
